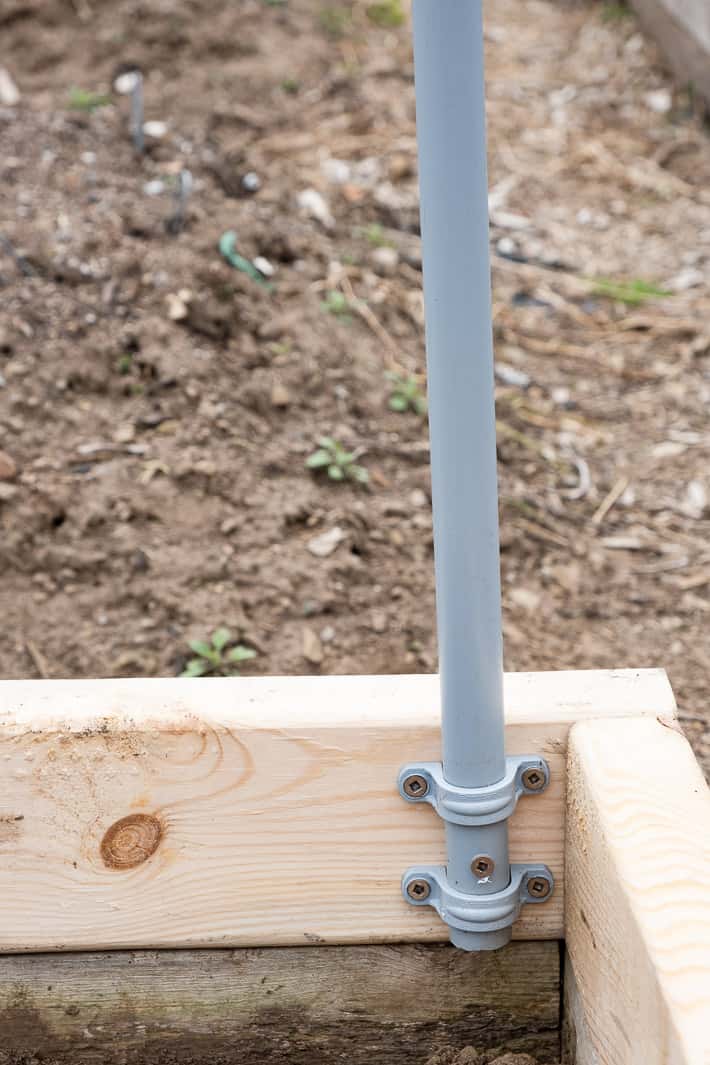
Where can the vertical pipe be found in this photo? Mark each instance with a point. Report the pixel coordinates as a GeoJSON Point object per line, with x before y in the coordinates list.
{"type": "Point", "coordinates": [451, 127]}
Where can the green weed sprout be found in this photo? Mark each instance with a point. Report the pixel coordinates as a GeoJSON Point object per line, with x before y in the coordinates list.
{"type": "Point", "coordinates": [374, 233]}
{"type": "Point", "coordinates": [387, 14]}
{"type": "Point", "coordinates": [339, 464]}
{"type": "Point", "coordinates": [406, 394]}
{"type": "Point", "coordinates": [215, 657]}
{"type": "Point", "coordinates": [334, 21]}
{"type": "Point", "coordinates": [632, 293]}
{"type": "Point", "coordinates": [83, 100]}
{"type": "Point", "coordinates": [336, 303]}
{"type": "Point", "coordinates": [613, 11]}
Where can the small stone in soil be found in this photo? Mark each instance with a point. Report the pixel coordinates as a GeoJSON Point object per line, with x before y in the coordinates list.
{"type": "Point", "coordinates": [314, 205]}
{"type": "Point", "coordinates": [280, 395]}
{"type": "Point", "coordinates": [8, 467]}
{"type": "Point", "coordinates": [125, 83]}
{"type": "Point", "coordinates": [695, 501]}
{"type": "Point", "coordinates": [264, 266]}
{"type": "Point", "coordinates": [124, 434]}
{"type": "Point", "coordinates": [229, 525]}
{"type": "Point", "coordinates": [418, 498]}
{"type": "Point", "coordinates": [385, 261]}
{"type": "Point", "coordinates": [325, 543]}
{"type": "Point", "coordinates": [506, 246]}
{"type": "Point", "coordinates": [155, 129]}
{"type": "Point", "coordinates": [525, 598]}
{"type": "Point", "coordinates": [154, 188]}
{"type": "Point", "coordinates": [336, 171]}
{"type": "Point", "coordinates": [510, 375]}
{"type": "Point", "coordinates": [687, 278]}
{"type": "Point", "coordinates": [312, 647]}
{"type": "Point", "coordinates": [7, 492]}
{"type": "Point", "coordinates": [660, 101]}
{"type": "Point", "coordinates": [561, 396]}
{"type": "Point", "coordinates": [9, 93]}
{"type": "Point", "coordinates": [251, 182]}
{"type": "Point", "coordinates": [178, 304]}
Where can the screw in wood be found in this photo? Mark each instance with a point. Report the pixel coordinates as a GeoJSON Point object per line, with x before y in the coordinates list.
{"type": "Point", "coordinates": [482, 866]}
{"type": "Point", "coordinates": [538, 887]}
{"type": "Point", "coordinates": [418, 890]}
{"type": "Point", "coordinates": [533, 779]}
{"type": "Point", "coordinates": [415, 786]}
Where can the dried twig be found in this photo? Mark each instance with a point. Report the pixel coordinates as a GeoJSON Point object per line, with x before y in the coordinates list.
{"type": "Point", "coordinates": [38, 660]}
{"type": "Point", "coordinates": [613, 495]}
{"type": "Point", "coordinates": [361, 308]}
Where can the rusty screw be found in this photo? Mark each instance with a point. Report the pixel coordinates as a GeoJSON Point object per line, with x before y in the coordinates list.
{"type": "Point", "coordinates": [482, 865]}
{"type": "Point", "coordinates": [415, 786]}
{"type": "Point", "coordinates": [418, 890]}
{"type": "Point", "coordinates": [538, 887]}
{"type": "Point", "coordinates": [533, 779]}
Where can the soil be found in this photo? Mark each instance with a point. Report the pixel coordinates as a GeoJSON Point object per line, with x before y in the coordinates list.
{"type": "Point", "coordinates": [158, 404]}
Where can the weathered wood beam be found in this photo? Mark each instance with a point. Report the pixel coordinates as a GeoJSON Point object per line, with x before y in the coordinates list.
{"type": "Point", "coordinates": [393, 1005]}
{"type": "Point", "coordinates": [638, 896]}
{"type": "Point", "coordinates": [254, 812]}
{"type": "Point", "coordinates": [682, 29]}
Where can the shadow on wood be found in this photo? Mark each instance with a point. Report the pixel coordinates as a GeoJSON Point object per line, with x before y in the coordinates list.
{"type": "Point", "coordinates": [390, 1005]}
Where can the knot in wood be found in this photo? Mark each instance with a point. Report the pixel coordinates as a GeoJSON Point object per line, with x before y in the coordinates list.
{"type": "Point", "coordinates": [131, 841]}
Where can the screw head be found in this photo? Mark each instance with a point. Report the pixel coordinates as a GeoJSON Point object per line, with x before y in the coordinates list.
{"type": "Point", "coordinates": [482, 866]}
{"type": "Point", "coordinates": [533, 779]}
{"type": "Point", "coordinates": [418, 890]}
{"type": "Point", "coordinates": [538, 887]}
{"type": "Point", "coordinates": [415, 786]}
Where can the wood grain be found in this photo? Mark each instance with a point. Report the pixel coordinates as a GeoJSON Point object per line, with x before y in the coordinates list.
{"type": "Point", "coordinates": [392, 1005]}
{"type": "Point", "coordinates": [253, 812]}
{"type": "Point", "coordinates": [638, 895]}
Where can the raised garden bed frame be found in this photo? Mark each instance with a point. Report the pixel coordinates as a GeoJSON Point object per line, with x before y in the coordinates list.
{"type": "Point", "coordinates": [147, 825]}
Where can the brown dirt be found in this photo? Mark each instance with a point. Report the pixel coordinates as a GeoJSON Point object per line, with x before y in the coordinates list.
{"type": "Point", "coordinates": [160, 487]}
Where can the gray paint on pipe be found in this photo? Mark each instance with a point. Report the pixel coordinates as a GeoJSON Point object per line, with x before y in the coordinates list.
{"type": "Point", "coordinates": [448, 49]}
{"type": "Point", "coordinates": [453, 178]}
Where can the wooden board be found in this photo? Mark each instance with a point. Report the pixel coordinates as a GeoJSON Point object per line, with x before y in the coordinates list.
{"type": "Point", "coordinates": [682, 29]}
{"type": "Point", "coordinates": [254, 812]}
{"type": "Point", "coordinates": [638, 896]}
{"type": "Point", "coordinates": [391, 1005]}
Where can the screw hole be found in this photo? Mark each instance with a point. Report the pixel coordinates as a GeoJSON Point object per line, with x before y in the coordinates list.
{"type": "Point", "coordinates": [533, 779]}
{"type": "Point", "coordinates": [482, 866]}
{"type": "Point", "coordinates": [418, 890]}
{"type": "Point", "coordinates": [538, 887]}
{"type": "Point", "coordinates": [415, 786]}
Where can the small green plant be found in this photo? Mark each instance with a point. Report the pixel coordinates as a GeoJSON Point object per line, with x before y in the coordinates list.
{"type": "Point", "coordinates": [217, 657]}
{"type": "Point", "coordinates": [291, 86]}
{"type": "Point", "coordinates": [406, 394]}
{"type": "Point", "coordinates": [387, 14]}
{"type": "Point", "coordinates": [335, 21]}
{"type": "Point", "coordinates": [374, 234]}
{"type": "Point", "coordinates": [124, 363]}
{"type": "Point", "coordinates": [336, 303]}
{"type": "Point", "coordinates": [339, 464]}
{"type": "Point", "coordinates": [632, 293]}
{"type": "Point", "coordinates": [83, 100]}
{"type": "Point", "coordinates": [615, 11]}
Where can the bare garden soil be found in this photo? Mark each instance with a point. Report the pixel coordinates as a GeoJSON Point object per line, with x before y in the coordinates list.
{"type": "Point", "coordinates": [158, 404]}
